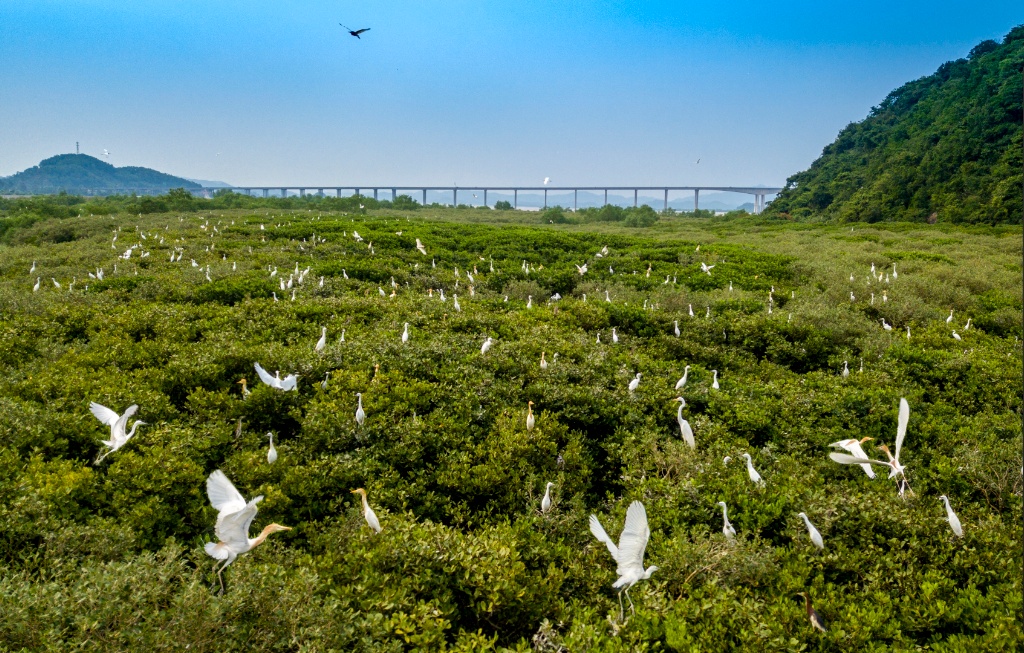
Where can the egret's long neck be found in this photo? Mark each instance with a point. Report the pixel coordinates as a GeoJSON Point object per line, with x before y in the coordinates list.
{"type": "Point", "coordinates": [132, 432]}
{"type": "Point", "coordinates": [366, 505]}
{"type": "Point", "coordinates": [258, 540]}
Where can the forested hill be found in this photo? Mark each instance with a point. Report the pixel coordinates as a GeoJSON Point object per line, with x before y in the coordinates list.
{"type": "Point", "coordinates": [946, 147]}
{"type": "Point", "coordinates": [80, 173]}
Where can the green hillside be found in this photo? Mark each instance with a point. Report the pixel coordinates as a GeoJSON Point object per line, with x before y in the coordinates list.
{"type": "Point", "coordinates": [111, 556]}
{"type": "Point", "coordinates": [946, 148]}
{"type": "Point", "coordinates": [81, 173]}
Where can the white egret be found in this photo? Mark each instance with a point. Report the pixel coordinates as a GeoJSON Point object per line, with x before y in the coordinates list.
{"type": "Point", "coordinates": [676, 329]}
{"type": "Point", "coordinates": [289, 382]}
{"type": "Point", "coordinates": [323, 384]}
{"type": "Point", "coordinates": [950, 318]}
{"type": "Point", "coordinates": [118, 424]}
{"type": "Point", "coordinates": [954, 521]}
{"type": "Point", "coordinates": [234, 517]}
{"type": "Point", "coordinates": [529, 301]}
{"type": "Point", "coordinates": [968, 325]}
{"type": "Point", "coordinates": [629, 554]}
{"type": "Point", "coordinates": [420, 247]}
{"type": "Point", "coordinates": [543, 363]}
{"type": "Point", "coordinates": [405, 333]}
{"type": "Point", "coordinates": [690, 307]}
{"type": "Point", "coordinates": [726, 460]}
{"type": "Point", "coordinates": [894, 465]}
{"type": "Point", "coordinates": [704, 267]}
{"type": "Point", "coordinates": [727, 529]}
{"type": "Point", "coordinates": [606, 297]}
{"type": "Point", "coordinates": [271, 452]}
{"type": "Point", "coordinates": [615, 336]}
{"type": "Point", "coordinates": [487, 345]}
{"type": "Point", "coordinates": [853, 446]}
{"type": "Point", "coordinates": [714, 381]}
{"type": "Point", "coordinates": [529, 416]}
{"type": "Point", "coordinates": [852, 298]}
{"type": "Point", "coordinates": [684, 426]}
{"type": "Point", "coordinates": [812, 532]}
{"type": "Point", "coordinates": [545, 503]}
{"type": "Point", "coordinates": [322, 342]}
{"type": "Point", "coordinates": [956, 336]}
{"type": "Point", "coordinates": [360, 413]}
{"type": "Point", "coordinates": [455, 302]}
{"type": "Point", "coordinates": [368, 514]}
{"type": "Point", "coordinates": [886, 325]}
{"type": "Point", "coordinates": [35, 288]}
{"type": "Point", "coordinates": [754, 476]}
{"type": "Point", "coordinates": [634, 383]}
{"type": "Point", "coordinates": [245, 388]}
{"type": "Point", "coordinates": [33, 270]}
{"type": "Point", "coordinates": [908, 332]}
{"type": "Point", "coordinates": [894, 275]}
{"type": "Point", "coordinates": [681, 383]}
{"type": "Point", "coordinates": [56, 283]}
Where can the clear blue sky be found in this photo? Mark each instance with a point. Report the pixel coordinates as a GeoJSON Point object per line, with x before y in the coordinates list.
{"type": "Point", "coordinates": [473, 92]}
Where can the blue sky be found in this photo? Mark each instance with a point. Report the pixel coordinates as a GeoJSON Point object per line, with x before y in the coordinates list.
{"type": "Point", "coordinates": [463, 92]}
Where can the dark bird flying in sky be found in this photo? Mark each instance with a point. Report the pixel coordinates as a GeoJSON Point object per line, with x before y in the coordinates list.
{"type": "Point", "coordinates": [357, 32]}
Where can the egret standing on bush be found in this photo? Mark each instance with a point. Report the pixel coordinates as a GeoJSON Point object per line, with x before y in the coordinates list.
{"type": "Point", "coordinates": [234, 516]}
{"type": "Point", "coordinates": [684, 426]}
{"type": "Point", "coordinates": [545, 503]}
{"type": "Point", "coordinates": [954, 521]}
{"type": "Point", "coordinates": [368, 514]}
{"type": "Point", "coordinates": [630, 553]}
{"type": "Point", "coordinates": [727, 530]}
{"type": "Point", "coordinates": [812, 531]}
{"type": "Point", "coordinates": [529, 416]}
{"type": "Point", "coordinates": [272, 452]}
{"type": "Point", "coordinates": [754, 476]}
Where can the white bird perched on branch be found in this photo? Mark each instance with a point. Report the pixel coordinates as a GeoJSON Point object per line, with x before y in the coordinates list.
{"type": "Point", "coordinates": [271, 452]}
{"type": "Point", "coordinates": [853, 446]}
{"type": "Point", "coordinates": [368, 513]}
{"type": "Point", "coordinates": [634, 383]}
{"type": "Point", "coordinates": [360, 413]}
{"type": "Point", "coordinates": [322, 342]}
{"type": "Point", "coordinates": [405, 333]}
{"type": "Point", "coordinates": [676, 327]}
{"type": "Point", "coordinates": [629, 554]}
{"type": "Point", "coordinates": [118, 424]}
{"type": "Point", "coordinates": [529, 416]}
{"type": "Point", "coordinates": [886, 325]}
{"type": "Point", "coordinates": [813, 532]}
{"type": "Point", "coordinates": [234, 517]}
{"type": "Point", "coordinates": [684, 426]}
{"type": "Point", "coordinates": [846, 370]}
{"type": "Point", "coordinates": [894, 465]}
{"type": "Point", "coordinates": [754, 476]}
{"type": "Point", "coordinates": [727, 529]}
{"type": "Point", "coordinates": [950, 318]}
{"type": "Point", "coordinates": [954, 521]}
{"type": "Point", "coordinates": [714, 381]}
{"type": "Point", "coordinates": [681, 383]}
{"type": "Point", "coordinates": [545, 503]}
{"type": "Point", "coordinates": [487, 345]}
{"type": "Point", "coordinates": [289, 382]}
{"type": "Point", "coordinates": [615, 336]}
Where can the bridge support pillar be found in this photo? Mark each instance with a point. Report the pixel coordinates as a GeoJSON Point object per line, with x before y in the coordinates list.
{"type": "Point", "coordinates": [455, 197]}
{"type": "Point", "coordinates": [485, 198]}
{"type": "Point", "coordinates": [266, 192]}
{"type": "Point", "coordinates": [393, 194]}
{"type": "Point", "coordinates": [302, 192]}
{"type": "Point", "coordinates": [424, 197]}
{"type": "Point", "coordinates": [635, 193]}
{"type": "Point", "coordinates": [665, 210]}
{"type": "Point", "coordinates": [320, 192]}
{"type": "Point", "coordinates": [575, 200]}
{"type": "Point", "coordinates": [545, 198]}
{"type": "Point", "coordinates": [605, 197]}
{"type": "Point", "coordinates": [374, 193]}
{"type": "Point", "coordinates": [515, 198]}
{"type": "Point", "coordinates": [696, 199]}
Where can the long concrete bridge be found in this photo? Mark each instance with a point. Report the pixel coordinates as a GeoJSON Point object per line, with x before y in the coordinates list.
{"type": "Point", "coordinates": [282, 191]}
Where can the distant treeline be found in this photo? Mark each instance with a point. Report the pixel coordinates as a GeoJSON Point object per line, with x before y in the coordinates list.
{"type": "Point", "coordinates": [946, 147]}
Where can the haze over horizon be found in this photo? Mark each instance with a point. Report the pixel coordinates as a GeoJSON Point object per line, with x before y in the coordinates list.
{"type": "Point", "coordinates": [470, 93]}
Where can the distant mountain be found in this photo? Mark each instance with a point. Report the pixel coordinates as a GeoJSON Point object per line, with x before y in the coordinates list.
{"type": "Point", "coordinates": [81, 173]}
{"type": "Point", "coordinates": [946, 147]}
{"type": "Point", "coordinates": [206, 183]}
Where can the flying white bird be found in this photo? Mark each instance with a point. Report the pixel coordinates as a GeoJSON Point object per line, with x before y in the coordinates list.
{"type": "Point", "coordinates": [289, 382]}
{"type": "Point", "coordinates": [629, 554]}
{"type": "Point", "coordinates": [634, 383]}
{"type": "Point", "coordinates": [118, 424]}
{"type": "Point", "coordinates": [368, 514]}
{"type": "Point", "coordinates": [545, 503]}
{"type": "Point", "coordinates": [360, 413]}
{"type": "Point", "coordinates": [853, 446]}
{"type": "Point", "coordinates": [813, 532]}
{"type": "Point", "coordinates": [420, 247]}
{"type": "Point", "coordinates": [727, 529]}
{"type": "Point", "coordinates": [895, 467]}
{"type": "Point", "coordinates": [754, 476]}
{"type": "Point", "coordinates": [234, 517]}
{"type": "Point", "coordinates": [684, 426]}
{"type": "Point", "coordinates": [322, 342]}
{"type": "Point", "coordinates": [954, 521]}
{"type": "Point", "coordinates": [581, 269]}
{"type": "Point", "coordinates": [704, 267]}
{"type": "Point", "coordinates": [547, 180]}
{"type": "Point", "coordinates": [681, 383]}
{"type": "Point", "coordinates": [271, 452]}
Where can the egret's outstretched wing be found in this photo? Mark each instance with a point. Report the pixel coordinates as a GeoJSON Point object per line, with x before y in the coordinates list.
{"type": "Point", "coordinates": [602, 536]}
{"type": "Point", "coordinates": [858, 451]}
{"type": "Point", "coordinates": [633, 540]}
{"type": "Point", "coordinates": [103, 414]}
{"type": "Point", "coordinates": [266, 377]}
{"type": "Point", "coordinates": [290, 382]}
{"type": "Point", "coordinates": [846, 459]}
{"type": "Point", "coordinates": [223, 495]}
{"type": "Point", "coordinates": [233, 528]}
{"type": "Point", "coordinates": [901, 426]}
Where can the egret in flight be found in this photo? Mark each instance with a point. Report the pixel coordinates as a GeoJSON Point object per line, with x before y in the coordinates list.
{"type": "Point", "coordinates": [289, 382]}
{"type": "Point", "coordinates": [118, 424]}
{"type": "Point", "coordinates": [684, 426]}
{"type": "Point", "coordinates": [727, 529]}
{"type": "Point", "coordinates": [545, 503]}
{"type": "Point", "coordinates": [629, 554]}
{"type": "Point", "coordinates": [812, 531]}
{"type": "Point", "coordinates": [896, 469]}
{"type": "Point", "coordinates": [368, 513]}
{"type": "Point", "coordinates": [234, 516]}
{"type": "Point", "coordinates": [954, 521]}
{"type": "Point", "coordinates": [853, 446]}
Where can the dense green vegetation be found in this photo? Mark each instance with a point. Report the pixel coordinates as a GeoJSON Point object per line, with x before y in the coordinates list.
{"type": "Point", "coordinates": [82, 173]}
{"type": "Point", "coordinates": [946, 147]}
{"type": "Point", "coordinates": [110, 556]}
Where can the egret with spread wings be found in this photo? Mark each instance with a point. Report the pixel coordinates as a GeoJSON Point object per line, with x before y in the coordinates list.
{"type": "Point", "coordinates": [289, 382]}
{"type": "Point", "coordinates": [356, 32]}
{"type": "Point", "coordinates": [629, 554]}
{"type": "Point", "coordinates": [117, 424]}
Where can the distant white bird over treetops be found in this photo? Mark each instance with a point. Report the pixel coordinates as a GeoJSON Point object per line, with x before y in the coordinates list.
{"type": "Point", "coordinates": [629, 554]}
{"type": "Point", "coordinates": [547, 180]}
{"type": "Point", "coordinates": [289, 382]}
{"type": "Point", "coordinates": [118, 424]}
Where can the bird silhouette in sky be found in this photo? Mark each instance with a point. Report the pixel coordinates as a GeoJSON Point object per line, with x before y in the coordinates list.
{"type": "Point", "coordinates": [357, 32]}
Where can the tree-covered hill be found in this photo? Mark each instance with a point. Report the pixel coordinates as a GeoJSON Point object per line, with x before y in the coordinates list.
{"type": "Point", "coordinates": [946, 147]}
{"type": "Point", "coordinates": [81, 173]}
